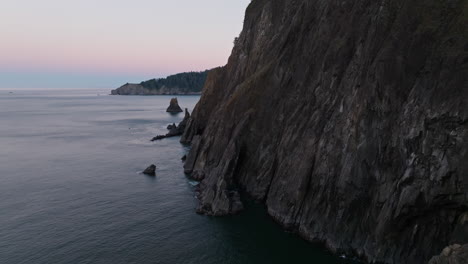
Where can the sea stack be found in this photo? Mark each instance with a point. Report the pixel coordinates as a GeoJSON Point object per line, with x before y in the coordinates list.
{"type": "Point", "coordinates": [174, 106]}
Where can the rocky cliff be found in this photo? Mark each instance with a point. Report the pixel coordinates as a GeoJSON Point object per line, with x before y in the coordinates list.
{"type": "Point", "coordinates": [348, 119]}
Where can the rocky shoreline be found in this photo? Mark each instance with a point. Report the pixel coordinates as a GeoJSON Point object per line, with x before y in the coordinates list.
{"type": "Point", "coordinates": [175, 130]}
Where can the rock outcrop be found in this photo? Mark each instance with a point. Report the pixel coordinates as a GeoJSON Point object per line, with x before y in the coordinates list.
{"type": "Point", "coordinates": [151, 170]}
{"type": "Point", "coordinates": [455, 254]}
{"type": "Point", "coordinates": [174, 130]}
{"type": "Point", "coordinates": [174, 106]}
{"type": "Point", "coordinates": [348, 119]}
{"type": "Point", "coordinates": [183, 124]}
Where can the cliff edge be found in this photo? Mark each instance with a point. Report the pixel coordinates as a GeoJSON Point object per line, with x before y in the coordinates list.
{"type": "Point", "coordinates": [348, 119]}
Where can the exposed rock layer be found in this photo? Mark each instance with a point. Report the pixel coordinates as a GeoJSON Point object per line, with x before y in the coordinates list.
{"type": "Point", "coordinates": [348, 119]}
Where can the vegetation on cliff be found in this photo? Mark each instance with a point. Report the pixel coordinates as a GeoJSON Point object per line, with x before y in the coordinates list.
{"type": "Point", "coordinates": [190, 82]}
{"type": "Point", "coordinates": [181, 83]}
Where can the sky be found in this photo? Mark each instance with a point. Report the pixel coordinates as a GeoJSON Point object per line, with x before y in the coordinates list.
{"type": "Point", "coordinates": [105, 43]}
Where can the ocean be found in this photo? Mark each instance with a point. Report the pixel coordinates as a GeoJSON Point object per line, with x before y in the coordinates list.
{"type": "Point", "coordinates": [71, 188]}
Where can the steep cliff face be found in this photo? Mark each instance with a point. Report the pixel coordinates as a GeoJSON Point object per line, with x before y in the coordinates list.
{"type": "Point", "coordinates": [349, 119]}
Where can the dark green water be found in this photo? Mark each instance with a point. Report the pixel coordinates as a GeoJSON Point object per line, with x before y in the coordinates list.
{"type": "Point", "coordinates": [71, 191]}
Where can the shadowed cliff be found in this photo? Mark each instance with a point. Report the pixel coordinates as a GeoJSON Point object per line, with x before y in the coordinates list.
{"type": "Point", "coordinates": [348, 119]}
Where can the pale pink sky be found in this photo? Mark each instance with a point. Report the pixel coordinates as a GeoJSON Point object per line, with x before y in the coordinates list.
{"type": "Point", "coordinates": [147, 38]}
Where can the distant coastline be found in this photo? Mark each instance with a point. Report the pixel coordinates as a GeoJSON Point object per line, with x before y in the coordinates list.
{"type": "Point", "coordinates": [138, 89]}
{"type": "Point", "coordinates": [187, 83]}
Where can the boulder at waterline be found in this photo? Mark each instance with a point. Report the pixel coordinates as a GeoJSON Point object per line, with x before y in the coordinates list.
{"type": "Point", "coordinates": [151, 170]}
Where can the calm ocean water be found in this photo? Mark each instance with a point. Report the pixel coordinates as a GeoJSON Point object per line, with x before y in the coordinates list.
{"type": "Point", "coordinates": [71, 189]}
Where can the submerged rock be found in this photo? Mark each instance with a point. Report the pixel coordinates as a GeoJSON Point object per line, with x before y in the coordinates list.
{"type": "Point", "coordinates": [151, 170]}
{"type": "Point", "coordinates": [174, 106]}
{"type": "Point", "coordinates": [158, 137]}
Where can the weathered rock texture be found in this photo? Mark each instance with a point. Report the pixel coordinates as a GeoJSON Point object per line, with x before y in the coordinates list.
{"type": "Point", "coordinates": [348, 119]}
{"type": "Point", "coordinates": [455, 254]}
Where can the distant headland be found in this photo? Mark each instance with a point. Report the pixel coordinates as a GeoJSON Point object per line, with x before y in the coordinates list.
{"type": "Point", "coordinates": [187, 83]}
